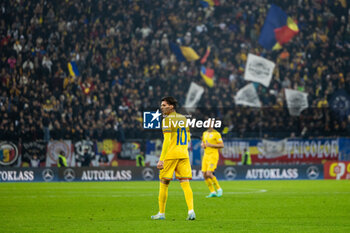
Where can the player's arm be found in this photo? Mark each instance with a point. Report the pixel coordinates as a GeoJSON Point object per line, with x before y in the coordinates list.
{"type": "Point", "coordinates": [203, 143]}
{"type": "Point", "coordinates": [165, 147]}
{"type": "Point", "coordinates": [166, 143]}
{"type": "Point", "coordinates": [219, 143]}
{"type": "Point", "coordinates": [188, 135]}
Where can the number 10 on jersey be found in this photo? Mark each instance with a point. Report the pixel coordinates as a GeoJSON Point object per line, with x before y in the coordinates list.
{"type": "Point", "coordinates": [181, 134]}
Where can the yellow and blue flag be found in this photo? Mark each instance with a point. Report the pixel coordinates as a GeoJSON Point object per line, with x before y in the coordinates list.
{"type": "Point", "coordinates": [73, 69]}
{"type": "Point", "coordinates": [208, 76]}
{"type": "Point", "coordinates": [207, 3]}
{"type": "Point", "coordinates": [183, 53]}
{"type": "Point", "coordinates": [278, 29]}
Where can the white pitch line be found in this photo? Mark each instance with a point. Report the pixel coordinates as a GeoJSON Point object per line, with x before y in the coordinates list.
{"type": "Point", "coordinates": [88, 188]}
{"type": "Point", "coordinates": [122, 194]}
{"type": "Point", "coordinates": [155, 193]}
{"type": "Point", "coordinates": [258, 191]}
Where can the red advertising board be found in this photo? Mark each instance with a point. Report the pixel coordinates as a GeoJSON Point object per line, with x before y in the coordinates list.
{"type": "Point", "coordinates": [337, 170]}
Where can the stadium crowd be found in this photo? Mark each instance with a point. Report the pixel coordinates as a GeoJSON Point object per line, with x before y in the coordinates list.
{"type": "Point", "coordinates": [122, 52]}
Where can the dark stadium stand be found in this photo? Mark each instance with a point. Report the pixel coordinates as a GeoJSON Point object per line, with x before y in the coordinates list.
{"type": "Point", "coordinates": [121, 49]}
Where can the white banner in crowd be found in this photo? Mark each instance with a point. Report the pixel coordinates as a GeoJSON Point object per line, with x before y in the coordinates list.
{"type": "Point", "coordinates": [79, 148]}
{"type": "Point", "coordinates": [296, 101]}
{"type": "Point", "coordinates": [273, 149]}
{"type": "Point", "coordinates": [248, 96]}
{"type": "Point", "coordinates": [258, 69]}
{"type": "Point", "coordinates": [54, 147]}
{"type": "Point", "coordinates": [194, 94]}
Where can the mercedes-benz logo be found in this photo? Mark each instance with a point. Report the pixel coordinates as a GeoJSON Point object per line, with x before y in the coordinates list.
{"type": "Point", "coordinates": [48, 174]}
{"type": "Point", "coordinates": [148, 174]}
{"type": "Point", "coordinates": [230, 173]}
{"type": "Point", "coordinates": [69, 174]}
{"type": "Point", "coordinates": [312, 172]}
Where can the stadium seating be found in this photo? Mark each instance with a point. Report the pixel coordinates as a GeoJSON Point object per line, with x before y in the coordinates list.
{"type": "Point", "coordinates": [121, 64]}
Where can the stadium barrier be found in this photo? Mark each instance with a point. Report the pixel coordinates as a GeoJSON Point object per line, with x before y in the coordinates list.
{"type": "Point", "coordinates": [260, 172]}
{"type": "Point", "coordinates": [286, 151]}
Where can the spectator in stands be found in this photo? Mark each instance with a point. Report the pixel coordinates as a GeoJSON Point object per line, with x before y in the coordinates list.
{"type": "Point", "coordinates": [86, 159]}
{"type": "Point", "coordinates": [35, 161]}
{"type": "Point", "coordinates": [103, 160]}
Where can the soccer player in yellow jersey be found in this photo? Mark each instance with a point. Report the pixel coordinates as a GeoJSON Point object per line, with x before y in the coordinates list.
{"type": "Point", "coordinates": [211, 142]}
{"type": "Point", "coordinates": [174, 157]}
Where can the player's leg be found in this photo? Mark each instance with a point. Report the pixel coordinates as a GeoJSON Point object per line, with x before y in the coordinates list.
{"type": "Point", "coordinates": [186, 187]}
{"type": "Point", "coordinates": [215, 184]}
{"type": "Point", "coordinates": [209, 182]}
{"type": "Point", "coordinates": [162, 199]}
{"type": "Point", "coordinates": [207, 179]}
{"type": "Point", "coordinates": [165, 175]}
{"type": "Point", "coordinates": [183, 172]}
{"type": "Point", "coordinates": [213, 165]}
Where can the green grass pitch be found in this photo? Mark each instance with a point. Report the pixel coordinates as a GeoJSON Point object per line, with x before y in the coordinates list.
{"type": "Point", "coordinates": [247, 206]}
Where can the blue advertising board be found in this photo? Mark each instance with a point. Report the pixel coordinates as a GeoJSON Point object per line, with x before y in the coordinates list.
{"type": "Point", "coordinates": [271, 172]}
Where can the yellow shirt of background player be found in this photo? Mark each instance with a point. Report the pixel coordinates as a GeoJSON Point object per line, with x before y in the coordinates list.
{"type": "Point", "coordinates": [212, 137]}
{"type": "Point", "coordinates": [175, 124]}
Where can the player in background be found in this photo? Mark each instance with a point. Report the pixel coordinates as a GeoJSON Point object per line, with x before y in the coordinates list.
{"type": "Point", "coordinates": [211, 142]}
{"type": "Point", "coordinates": [174, 157]}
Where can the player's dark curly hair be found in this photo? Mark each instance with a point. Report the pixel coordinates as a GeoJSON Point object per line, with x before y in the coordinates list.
{"type": "Point", "coordinates": [170, 100]}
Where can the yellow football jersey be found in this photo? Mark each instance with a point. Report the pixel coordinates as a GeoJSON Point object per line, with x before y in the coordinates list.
{"type": "Point", "coordinates": [175, 124]}
{"type": "Point", "coordinates": [213, 137]}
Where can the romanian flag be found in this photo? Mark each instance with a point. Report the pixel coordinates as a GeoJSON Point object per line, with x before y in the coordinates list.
{"type": "Point", "coordinates": [73, 69]}
{"type": "Point", "coordinates": [7, 155]}
{"type": "Point", "coordinates": [207, 3]}
{"type": "Point", "coordinates": [208, 76]}
{"type": "Point", "coordinates": [184, 53]}
{"type": "Point", "coordinates": [278, 29]}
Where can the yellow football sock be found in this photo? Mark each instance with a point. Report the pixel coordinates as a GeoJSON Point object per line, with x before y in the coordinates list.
{"type": "Point", "coordinates": [209, 182]}
{"type": "Point", "coordinates": [188, 194]}
{"type": "Point", "coordinates": [163, 196]}
{"type": "Point", "coordinates": [216, 183]}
